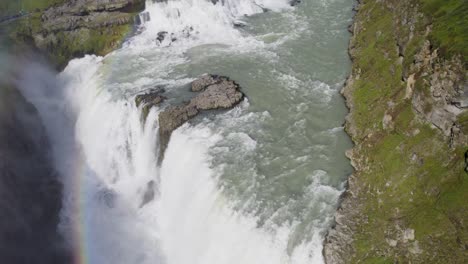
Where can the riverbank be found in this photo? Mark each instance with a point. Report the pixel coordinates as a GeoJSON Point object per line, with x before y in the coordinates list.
{"type": "Point", "coordinates": [406, 200]}
{"type": "Point", "coordinates": [63, 30]}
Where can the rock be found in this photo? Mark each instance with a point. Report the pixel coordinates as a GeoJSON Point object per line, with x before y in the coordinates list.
{"type": "Point", "coordinates": [387, 122]}
{"type": "Point", "coordinates": [203, 82]}
{"type": "Point", "coordinates": [410, 86]}
{"type": "Point", "coordinates": [415, 249]}
{"type": "Point", "coordinates": [239, 24]}
{"type": "Point", "coordinates": [218, 92]}
{"type": "Point", "coordinates": [294, 2]}
{"type": "Point", "coordinates": [161, 36]}
{"type": "Point", "coordinates": [408, 235]}
{"type": "Point", "coordinates": [169, 120]}
{"type": "Point", "coordinates": [150, 97]}
{"type": "Point", "coordinates": [145, 17]}
{"type": "Point", "coordinates": [224, 94]}
{"type": "Point", "coordinates": [466, 161]}
{"type": "Point", "coordinates": [75, 28]}
{"type": "Point", "coordinates": [187, 31]}
{"type": "Point", "coordinates": [392, 242]}
{"type": "Point", "coordinates": [148, 100]}
{"type": "Point", "coordinates": [149, 193]}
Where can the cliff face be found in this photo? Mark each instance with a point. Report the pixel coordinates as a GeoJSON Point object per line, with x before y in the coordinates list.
{"type": "Point", "coordinates": [66, 29]}
{"type": "Point", "coordinates": [30, 190]}
{"type": "Point", "coordinates": [407, 95]}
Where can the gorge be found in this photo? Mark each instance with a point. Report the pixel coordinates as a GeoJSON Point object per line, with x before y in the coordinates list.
{"type": "Point", "coordinates": [197, 131]}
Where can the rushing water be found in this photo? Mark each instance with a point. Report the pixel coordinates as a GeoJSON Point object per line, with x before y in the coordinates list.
{"type": "Point", "coordinates": [255, 184]}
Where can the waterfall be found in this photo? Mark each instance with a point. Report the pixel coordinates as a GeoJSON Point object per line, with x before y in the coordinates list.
{"type": "Point", "coordinates": [108, 156]}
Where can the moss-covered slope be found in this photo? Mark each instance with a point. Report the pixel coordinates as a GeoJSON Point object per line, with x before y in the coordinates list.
{"type": "Point", "coordinates": [407, 201]}
{"type": "Point", "coordinates": [66, 29]}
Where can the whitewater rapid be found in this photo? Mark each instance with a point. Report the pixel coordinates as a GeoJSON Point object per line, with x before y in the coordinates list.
{"type": "Point", "coordinates": [226, 191]}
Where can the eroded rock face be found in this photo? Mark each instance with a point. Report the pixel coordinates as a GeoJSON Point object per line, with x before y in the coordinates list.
{"type": "Point", "coordinates": [152, 97]}
{"type": "Point", "coordinates": [432, 88]}
{"type": "Point", "coordinates": [170, 120]}
{"type": "Point", "coordinates": [216, 92]}
{"type": "Point", "coordinates": [445, 78]}
{"type": "Point", "coordinates": [149, 99]}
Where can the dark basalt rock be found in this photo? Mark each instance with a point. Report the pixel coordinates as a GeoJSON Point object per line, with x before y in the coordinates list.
{"type": "Point", "coordinates": [149, 193]}
{"type": "Point", "coordinates": [294, 2]}
{"type": "Point", "coordinates": [239, 24]}
{"type": "Point", "coordinates": [161, 36]}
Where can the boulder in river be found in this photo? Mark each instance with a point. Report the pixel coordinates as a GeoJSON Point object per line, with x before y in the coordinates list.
{"type": "Point", "coordinates": [223, 94]}
{"type": "Point", "coordinates": [215, 92]}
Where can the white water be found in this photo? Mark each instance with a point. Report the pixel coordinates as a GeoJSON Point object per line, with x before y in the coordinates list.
{"type": "Point", "coordinates": [107, 157]}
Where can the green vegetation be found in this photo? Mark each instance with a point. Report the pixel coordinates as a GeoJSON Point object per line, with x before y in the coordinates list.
{"type": "Point", "coordinates": [450, 25]}
{"type": "Point", "coordinates": [59, 41]}
{"type": "Point", "coordinates": [410, 178]}
{"type": "Point", "coordinates": [87, 41]}
{"type": "Point", "coordinates": [10, 7]}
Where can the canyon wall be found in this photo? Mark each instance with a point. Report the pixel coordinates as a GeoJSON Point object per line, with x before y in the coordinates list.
{"type": "Point", "coordinates": [407, 95]}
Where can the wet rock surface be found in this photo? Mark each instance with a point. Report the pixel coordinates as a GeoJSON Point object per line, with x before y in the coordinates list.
{"type": "Point", "coordinates": [152, 96]}
{"type": "Point", "coordinates": [149, 99]}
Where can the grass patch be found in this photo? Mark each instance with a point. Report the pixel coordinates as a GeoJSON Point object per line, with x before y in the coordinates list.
{"type": "Point", "coordinates": [450, 25]}
{"type": "Point", "coordinates": [10, 7]}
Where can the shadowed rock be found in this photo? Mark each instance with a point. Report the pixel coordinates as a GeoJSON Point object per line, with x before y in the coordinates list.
{"type": "Point", "coordinates": [294, 2]}
{"type": "Point", "coordinates": [149, 99]}
{"type": "Point", "coordinates": [149, 193]}
{"type": "Point", "coordinates": [30, 190]}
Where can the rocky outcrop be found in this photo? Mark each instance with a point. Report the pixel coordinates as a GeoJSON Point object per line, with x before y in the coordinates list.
{"type": "Point", "coordinates": [30, 191]}
{"type": "Point", "coordinates": [78, 27]}
{"type": "Point", "coordinates": [216, 92]}
{"type": "Point", "coordinates": [213, 92]}
{"type": "Point", "coordinates": [149, 99]}
{"type": "Point", "coordinates": [406, 200]}
{"type": "Point", "coordinates": [203, 82]}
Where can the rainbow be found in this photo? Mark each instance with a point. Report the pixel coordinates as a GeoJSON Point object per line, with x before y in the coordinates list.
{"type": "Point", "coordinates": [80, 215]}
{"type": "Point", "coordinates": [80, 242]}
